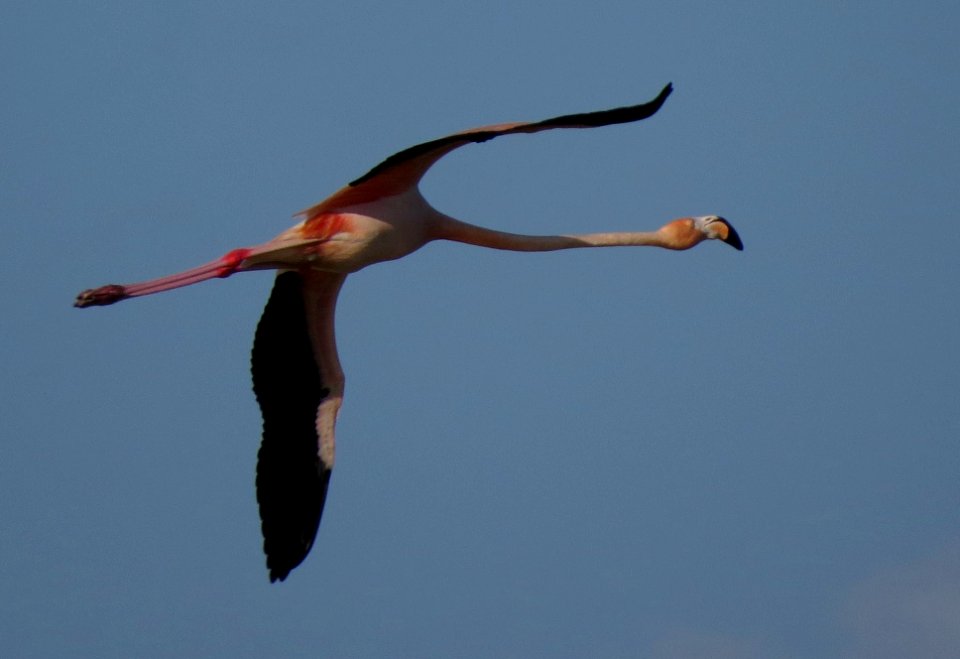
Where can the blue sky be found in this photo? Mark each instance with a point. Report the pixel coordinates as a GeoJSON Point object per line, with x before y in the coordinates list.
{"type": "Point", "coordinates": [609, 453]}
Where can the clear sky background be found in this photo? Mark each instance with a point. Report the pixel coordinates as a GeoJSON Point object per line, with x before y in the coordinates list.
{"type": "Point", "coordinates": [601, 453]}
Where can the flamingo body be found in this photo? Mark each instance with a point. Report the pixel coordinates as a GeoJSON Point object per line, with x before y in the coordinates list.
{"type": "Point", "coordinates": [381, 216]}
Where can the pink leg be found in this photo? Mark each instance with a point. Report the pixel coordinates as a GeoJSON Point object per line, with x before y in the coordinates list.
{"type": "Point", "coordinates": [222, 267]}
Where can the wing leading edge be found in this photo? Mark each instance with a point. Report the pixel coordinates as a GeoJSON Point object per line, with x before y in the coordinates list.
{"type": "Point", "coordinates": [405, 168]}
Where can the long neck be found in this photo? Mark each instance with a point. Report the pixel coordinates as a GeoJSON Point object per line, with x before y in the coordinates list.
{"type": "Point", "coordinates": [450, 229]}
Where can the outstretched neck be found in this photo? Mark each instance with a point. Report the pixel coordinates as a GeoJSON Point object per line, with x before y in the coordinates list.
{"type": "Point", "coordinates": [448, 228]}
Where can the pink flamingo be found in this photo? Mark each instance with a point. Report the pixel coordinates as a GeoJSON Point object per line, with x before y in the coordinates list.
{"type": "Point", "coordinates": [381, 216]}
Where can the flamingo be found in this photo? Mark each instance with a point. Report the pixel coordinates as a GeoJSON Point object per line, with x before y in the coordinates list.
{"type": "Point", "coordinates": [381, 216]}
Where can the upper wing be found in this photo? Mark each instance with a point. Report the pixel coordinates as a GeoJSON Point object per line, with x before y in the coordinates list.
{"type": "Point", "coordinates": [299, 385]}
{"type": "Point", "coordinates": [404, 169]}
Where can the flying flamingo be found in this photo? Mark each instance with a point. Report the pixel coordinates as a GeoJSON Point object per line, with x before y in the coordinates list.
{"type": "Point", "coordinates": [380, 216]}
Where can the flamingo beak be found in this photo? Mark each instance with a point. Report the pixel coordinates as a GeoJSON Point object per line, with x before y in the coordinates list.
{"type": "Point", "coordinates": [729, 235]}
{"type": "Point", "coordinates": [733, 238]}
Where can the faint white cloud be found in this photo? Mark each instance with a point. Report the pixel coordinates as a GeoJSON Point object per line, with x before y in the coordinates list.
{"type": "Point", "coordinates": [910, 610]}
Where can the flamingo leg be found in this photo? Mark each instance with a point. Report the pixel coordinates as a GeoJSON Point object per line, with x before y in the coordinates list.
{"type": "Point", "coordinates": [225, 266]}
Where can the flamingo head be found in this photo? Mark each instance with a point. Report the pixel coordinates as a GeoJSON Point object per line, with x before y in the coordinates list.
{"type": "Point", "coordinates": [714, 227]}
{"type": "Point", "coordinates": [690, 231]}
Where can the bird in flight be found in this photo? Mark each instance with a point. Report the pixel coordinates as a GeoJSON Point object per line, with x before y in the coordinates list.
{"type": "Point", "coordinates": [381, 216]}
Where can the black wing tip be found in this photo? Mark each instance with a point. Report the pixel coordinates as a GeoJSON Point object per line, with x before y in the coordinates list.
{"type": "Point", "coordinates": [281, 561]}
{"type": "Point", "coordinates": [661, 97]}
{"type": "Point", "coordinates": [280, 566]}
{"type": "Point", "coordinates": [279, 573]}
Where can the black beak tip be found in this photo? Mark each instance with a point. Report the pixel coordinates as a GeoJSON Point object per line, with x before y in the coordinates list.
{"type": "Point", "coordinates": [733, 238]}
